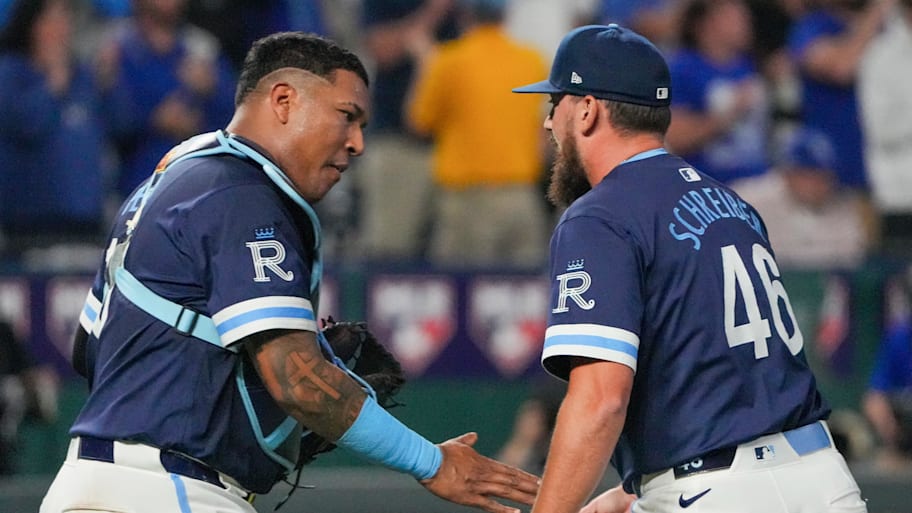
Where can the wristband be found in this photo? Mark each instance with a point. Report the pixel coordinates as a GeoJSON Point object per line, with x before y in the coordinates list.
{"type": "Point", "coordinates": [380, 437]}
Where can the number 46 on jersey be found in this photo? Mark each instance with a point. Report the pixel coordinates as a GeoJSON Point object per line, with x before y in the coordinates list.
{"type": "Point", "coordinates": [756, 330]}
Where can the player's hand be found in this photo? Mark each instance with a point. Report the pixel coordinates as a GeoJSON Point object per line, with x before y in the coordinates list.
{"type": "Point", "coordinates": [615, 500]}
{"type": "Point", "coordinates": [175, 118]}
{"type": "Point", "coordinates": [468, 478]}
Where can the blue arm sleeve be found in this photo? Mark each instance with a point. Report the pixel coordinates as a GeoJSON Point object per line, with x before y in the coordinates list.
{"type": "Point", "coordinates": [382, 438]}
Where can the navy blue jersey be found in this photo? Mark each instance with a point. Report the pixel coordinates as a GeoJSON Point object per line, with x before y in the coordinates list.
{"type": "Point", "coordinates": [219, 237]}
{"type": "Point", "coordinates": [667, 271]}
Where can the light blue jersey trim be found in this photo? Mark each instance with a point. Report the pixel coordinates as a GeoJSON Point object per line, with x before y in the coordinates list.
{"type": "Point", "coordinates": [90, 313]}
{"type": "Point", "coordinates": [275, 312]}
{"type": "Point", "coordinates": [181, 491]}
{"type": "Point", "coordinates": [592, 341]}
{"type": "Point", "coordinates": [91, 310]}
{"type": "Point", "coordinates": [646, 155]}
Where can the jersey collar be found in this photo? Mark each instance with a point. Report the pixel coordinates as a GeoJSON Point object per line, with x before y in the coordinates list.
{"type": "Point", "coordinates": [645, 155]}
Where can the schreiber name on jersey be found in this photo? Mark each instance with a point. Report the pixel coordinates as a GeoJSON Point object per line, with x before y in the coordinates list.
{"type": "Point", "coordinates": [699, 208]}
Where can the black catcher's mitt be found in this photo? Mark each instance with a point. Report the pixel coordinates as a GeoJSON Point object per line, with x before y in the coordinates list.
{"type": "Point", "coordinates": [359, 349]}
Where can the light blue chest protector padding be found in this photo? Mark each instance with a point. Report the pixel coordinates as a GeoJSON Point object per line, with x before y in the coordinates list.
{"type": "Point", "coordinates": [281, 443]}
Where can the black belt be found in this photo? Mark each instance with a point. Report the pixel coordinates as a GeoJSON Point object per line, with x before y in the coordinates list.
{"type": "Point", "coordinates": [98, 449]}
{"type": "Point", "coordinates": [715, 460]}
{"type": "Point", "coordinates": [803, 440]}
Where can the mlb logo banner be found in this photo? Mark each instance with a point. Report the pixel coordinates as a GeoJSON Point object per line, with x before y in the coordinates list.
{"type": "Point", "coordinates": [507, 318]}
{"type": "Point", "coordinates": [415, 317]}
{"type": "Point", "coordinates": [329, 300]}
{"type": "Point", "coordinates": [16, 306]}
{"type": "Point", "coordinates": [64, 299]}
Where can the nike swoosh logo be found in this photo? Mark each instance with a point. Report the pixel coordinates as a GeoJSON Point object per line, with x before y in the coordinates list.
{"type": "Point", "coordinates": [686, 503]}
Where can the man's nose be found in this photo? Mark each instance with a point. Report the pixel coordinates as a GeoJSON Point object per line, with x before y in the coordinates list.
{"type": "Point", "coordinates": [355, 144]}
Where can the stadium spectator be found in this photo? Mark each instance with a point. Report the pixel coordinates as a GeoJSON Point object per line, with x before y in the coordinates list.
{"type": "Point", "coordinates": [527, 446]}
{"type": "Point", "coordinates": [772, 21]}
{"type": "Point", "coordinates": [654, 19]}
{"type": "Point", "coordinates": [888, 402]}
{"type": "Point", "coordinates": [12, 396]}
{"type": "Point", "coordinates": [720, 111]}
{"type": "Point", "coordinates": [813, 222]}
{"type": "Point", "coordinates": [27, 390]}
{"type": "Point", "coordinates": [237, 24]}
{"type": "Point", "coordinates": [884, 81]}
{"type": "Point", "coordinates": [488, 145]}
{"type": "Point", "coordinates": [827, 45]}
{"type": "Point", "coordinates": [52, 131]}
{"type": "Point", "coordinates": [394, 176]}
{"type": "Point", "coordinates": [178, 81]}
{"type": "Point", "coordinates": [543, 23]}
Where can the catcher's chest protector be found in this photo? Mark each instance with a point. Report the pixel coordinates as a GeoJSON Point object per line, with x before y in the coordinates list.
{"type": "Point", "coordinates": [277, 433]}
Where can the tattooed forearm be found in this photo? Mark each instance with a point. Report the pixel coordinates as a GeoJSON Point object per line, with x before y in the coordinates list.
{"type": "Point", "coordinates": [299, 371]}
{"type": "Point", "coordinates": [305, 384]}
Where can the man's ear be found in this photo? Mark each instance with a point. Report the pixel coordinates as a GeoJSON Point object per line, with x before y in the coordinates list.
{"type": "Point", "coordinates": [281, 97]}
{"type": "Point", "coordinates": [588, 112]}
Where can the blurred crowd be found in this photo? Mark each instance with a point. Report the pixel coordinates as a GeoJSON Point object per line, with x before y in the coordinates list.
{"type": "Point", "coordinates": [802, 106]}
{"type": "Point", "coordinates": [799, 105]}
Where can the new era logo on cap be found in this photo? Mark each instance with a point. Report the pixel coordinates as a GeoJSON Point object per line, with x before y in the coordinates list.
{"type": "Point", "coordinates": [618, 64]}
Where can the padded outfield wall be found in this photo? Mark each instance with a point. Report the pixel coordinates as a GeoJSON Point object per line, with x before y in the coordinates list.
{"type": "Point", "coordinates": [470, 343]}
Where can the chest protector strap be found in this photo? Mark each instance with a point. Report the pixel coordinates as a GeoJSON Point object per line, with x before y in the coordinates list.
{"type": "Point", "coordinates": [281, 443]}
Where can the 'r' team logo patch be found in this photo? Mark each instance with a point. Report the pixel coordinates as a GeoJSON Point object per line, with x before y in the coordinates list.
{"type": "Point", "coordinates": [573, 284]}
{"type": "Point", "coordinates": [268, 253]}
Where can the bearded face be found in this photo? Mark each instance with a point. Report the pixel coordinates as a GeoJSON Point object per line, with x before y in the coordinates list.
{"type": "Point", "coordinates": [568, 178]}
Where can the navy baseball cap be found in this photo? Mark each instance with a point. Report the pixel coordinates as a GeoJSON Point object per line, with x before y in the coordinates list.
{"type": "Point", "coordinates": [609, 62]}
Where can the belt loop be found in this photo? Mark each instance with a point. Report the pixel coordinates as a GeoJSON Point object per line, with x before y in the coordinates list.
{"type": "Point", "coordinates": [808, 438]}
{"type": "Point", "coordinates": [96, 449]}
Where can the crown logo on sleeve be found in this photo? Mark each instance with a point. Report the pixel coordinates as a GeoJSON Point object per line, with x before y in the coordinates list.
{"type": "Point", "coordinates": [264, 233]}
{"type": "Point", "coordinates": [576, 265]}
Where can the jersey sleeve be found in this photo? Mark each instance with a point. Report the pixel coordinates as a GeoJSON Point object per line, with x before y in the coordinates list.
{"type": "Point", "coordinates": [258, 263]}
{"type": "Point", "coordinates": [596, 295]}
{"type": "Point", "coordinates": [91, 309]}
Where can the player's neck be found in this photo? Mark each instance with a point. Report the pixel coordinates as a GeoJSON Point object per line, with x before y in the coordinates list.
{"type": "Point", "coordinates": [612, 152]}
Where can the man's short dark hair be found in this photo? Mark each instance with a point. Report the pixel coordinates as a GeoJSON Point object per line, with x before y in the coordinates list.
{"type": "Point", "coordinates": [308, 52]}
{"type": "Point", "coordinates": [630, 118]}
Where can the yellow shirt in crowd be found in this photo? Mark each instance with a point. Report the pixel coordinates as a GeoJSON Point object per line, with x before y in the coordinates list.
{"type": "Point", "coordinates": [483, 133]}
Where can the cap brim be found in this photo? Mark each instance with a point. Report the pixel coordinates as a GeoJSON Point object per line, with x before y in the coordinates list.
{"type": "Point", "coordinates": [544, 87]}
